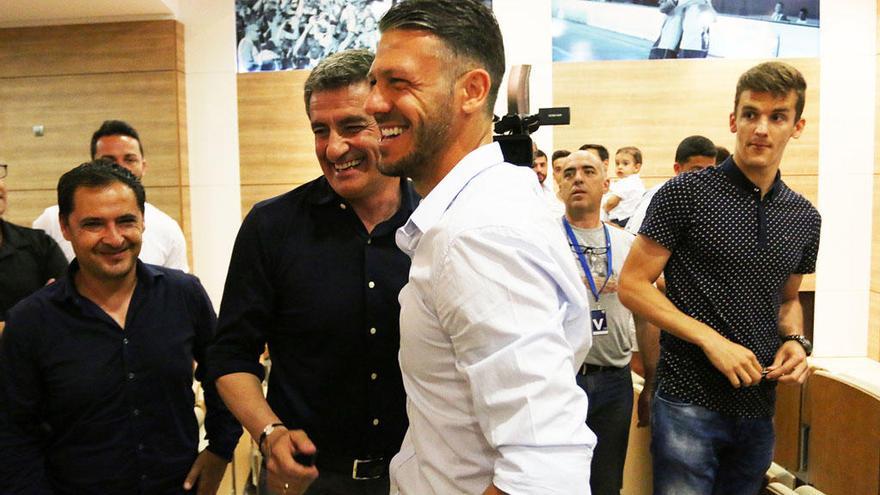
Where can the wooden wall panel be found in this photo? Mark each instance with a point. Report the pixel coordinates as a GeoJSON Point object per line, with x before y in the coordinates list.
{"type": "Point", "coordinates": [72, 107]}
{"type": "Point", "coordinates": [275, 139]}
{"type": "Point", "coordinates": [655, 104]}
{"type": "Point", "coordinates": [90, 49]}
{"type": "Point", "coordinates": [70, 79]}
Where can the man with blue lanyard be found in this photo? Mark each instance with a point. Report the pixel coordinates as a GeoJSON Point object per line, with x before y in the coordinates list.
{"type": "Point", "coordinates": [605, 374]}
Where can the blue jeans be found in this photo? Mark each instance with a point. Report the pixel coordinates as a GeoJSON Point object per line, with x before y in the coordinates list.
{"type": "Point", "coordinates": [700, 452]}
{"type": "Point", "coordinates": [610, 396]}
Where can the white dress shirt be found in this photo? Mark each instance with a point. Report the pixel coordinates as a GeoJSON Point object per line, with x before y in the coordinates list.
{"type": "Point", "coordinates": [163, 241]}
{"type": "Point", "coordinates": [493, 326]}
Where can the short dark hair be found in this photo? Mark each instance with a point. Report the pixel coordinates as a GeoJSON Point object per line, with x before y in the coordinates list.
{"type": "Point", "coordinates": [115, 128]}
{"type": "Point", "coordinates": [539, 153]}
{"type": "Point", "coordinates": [694, 146]}
{"type": "Point", "coordinates": [559, 154]}
{"type": "Point", "coordinates": [633, 151]}
{"type": "Point", "coordinates": [467, 27]}
{"type": "Point", "coordinates": [339, 70]}
{"type": "Point", "coordinates": [776, 78]}
{"type": "Point", "coordinates": [721, 154]}
{"type": "Point", "coordinates": [603, 151]}
{"type": "Point", "coordinates": [96, 173]}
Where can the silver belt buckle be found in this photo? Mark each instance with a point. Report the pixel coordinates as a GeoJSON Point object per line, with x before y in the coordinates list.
{"type": "Point", "coordinates": [354, 469]}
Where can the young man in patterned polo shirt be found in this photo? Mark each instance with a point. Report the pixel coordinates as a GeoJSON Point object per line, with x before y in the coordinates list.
{"type": "Point", "coordinates": [733, 243]}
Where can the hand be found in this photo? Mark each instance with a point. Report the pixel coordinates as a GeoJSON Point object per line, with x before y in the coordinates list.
{"type": "Point", "coordinates": [644, 405]}
{"type": "Point", "coordinates": [206, 473]}
{"type": "Point", "coordinates": [790, 364]}
{"type": "Point", "coordinates": [284, 475]}
{"type": "Point", "coordinates": [736, 362]}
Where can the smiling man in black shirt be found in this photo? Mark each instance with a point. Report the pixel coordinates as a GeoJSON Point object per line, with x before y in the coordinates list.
{"type": "Point", "coordinates": [733, 243]}
{"type": "Point", "coordinates": [97, 368]}
{"type": "Point", "coordinates": [315, 273]}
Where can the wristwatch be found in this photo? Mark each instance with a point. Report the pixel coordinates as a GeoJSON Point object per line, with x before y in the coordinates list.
{"type": "Point", "coordinates": [806, 344]}
{"type": "Point", "coordinates": [265, 434]}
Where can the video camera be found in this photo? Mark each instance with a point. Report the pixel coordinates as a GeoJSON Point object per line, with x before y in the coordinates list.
{"type": "Point", "coordinates": [512, 130]}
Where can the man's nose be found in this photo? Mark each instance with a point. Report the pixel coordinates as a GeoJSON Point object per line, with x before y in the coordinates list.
{"type": "Point", "coordinates": [337, 147]}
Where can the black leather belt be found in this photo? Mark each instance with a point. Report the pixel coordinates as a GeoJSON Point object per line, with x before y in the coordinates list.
{"type": "Point", "coordinates": [360, 469]}
{"type": "Point", "coordinates": [587, 368]}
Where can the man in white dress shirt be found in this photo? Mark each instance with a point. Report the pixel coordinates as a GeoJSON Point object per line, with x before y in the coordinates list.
{"type": "Point", "coordinates": [493, 318]}
{"type": "Point", "coordinates": [163, 241]}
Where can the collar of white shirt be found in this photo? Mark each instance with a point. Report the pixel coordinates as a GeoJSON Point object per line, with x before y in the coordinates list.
{"type": "Point", "coordinates": [432, 206]}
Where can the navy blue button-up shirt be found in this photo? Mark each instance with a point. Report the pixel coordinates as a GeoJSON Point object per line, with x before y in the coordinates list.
{"type": "Point", "coordinates": [89, 407]}
{"type": "Point", "coordinates": [308, 279]}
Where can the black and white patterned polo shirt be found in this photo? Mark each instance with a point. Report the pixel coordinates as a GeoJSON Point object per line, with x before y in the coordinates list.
{"type": "Point", "coordinates": [732, 252]}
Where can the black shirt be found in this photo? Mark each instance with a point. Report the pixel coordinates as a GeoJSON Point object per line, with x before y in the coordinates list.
{"type": "Point", "coordinates": [732, 253]}
{"type": "Point", "coordinates": [89, 407]}
{"type": "Point", "coordinates": [28, 259]}
{"type": "Point", "coordinates": [306, 278]}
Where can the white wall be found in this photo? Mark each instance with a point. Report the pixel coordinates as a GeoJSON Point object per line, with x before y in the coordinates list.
{"type": "Point", "coordinates": [212, 128]}
{"type": "Point", "coordinates": [846, 167]}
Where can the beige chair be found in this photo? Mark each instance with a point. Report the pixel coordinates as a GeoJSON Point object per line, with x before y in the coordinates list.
{"type": "Point", "coordinates": [778, 474]}
{"type": "Point", "coordinates": [777, 488]}
{"type": "Point", "coordinates": [807, 490]}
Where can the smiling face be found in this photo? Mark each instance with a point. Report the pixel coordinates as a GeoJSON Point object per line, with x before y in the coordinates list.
{"type": "Point", "coordinates": [763, 124]}
{"type": "Point", "coordinates": [105, 229]}
{"type": "Point", "coordinates": [412, 101]}
{"type": "Point", "coordinates": [346, 141]}
{"type": "Point", "coordinates": [583, 183]}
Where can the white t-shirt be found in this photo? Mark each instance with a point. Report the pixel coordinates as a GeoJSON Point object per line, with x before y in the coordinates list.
{"type": "Point", "coordinates": [163, 241]}
{"type": "Point", "coordinates": [629, 190]}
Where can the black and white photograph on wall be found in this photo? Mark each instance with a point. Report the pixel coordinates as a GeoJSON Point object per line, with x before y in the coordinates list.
{"type": "Point", "coordinates": [657, 29]}
{"type": "Point", "coordinates": [297, 34]}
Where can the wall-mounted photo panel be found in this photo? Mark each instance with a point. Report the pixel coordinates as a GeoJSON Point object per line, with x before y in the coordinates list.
{"type": "Point", "coordinates": [653, 29]}
{"type": "Point", "coordinates": [297, 34]}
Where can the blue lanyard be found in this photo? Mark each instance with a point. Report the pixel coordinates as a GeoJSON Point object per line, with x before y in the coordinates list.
{"type": "Point", "coordinates": [583, 260]}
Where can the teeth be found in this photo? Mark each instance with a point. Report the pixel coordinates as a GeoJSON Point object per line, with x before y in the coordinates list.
{"type": "Point", "coordinates": [391, 131]}
{"type": "Point", "coordinates": [347, 165]}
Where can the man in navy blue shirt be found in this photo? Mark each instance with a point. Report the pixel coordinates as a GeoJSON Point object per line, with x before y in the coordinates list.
{"type": "Point", "coordinates": [733, 243]}
{"type": "Point", "coordinates": [97, 368]}
{"type": "Point", "coordinates": [315, 274]}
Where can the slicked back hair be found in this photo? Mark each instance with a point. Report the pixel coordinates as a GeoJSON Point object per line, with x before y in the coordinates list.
{"type": "Point", "coordinates": [467, 28]}
{"type": "Point", "coordinates": [776, 78]}
{"type": "Point", "coordinates": [695, 146]}
{"type": "Point", "coordinates": [559, 154]}
{"type": "Point", "coordinates": [96, 173]}
{"type": "Point", "coordinates": [603, 151]}
{"type": "Point", "coordinates": [339, 70]}
{"type": "Point", "coordinates": [114, 128]}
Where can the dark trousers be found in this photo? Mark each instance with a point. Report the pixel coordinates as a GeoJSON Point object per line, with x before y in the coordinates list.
{"type": "Point", "coordinates": [330, 483]}
{"type": "Point", "coordinates": [610, 396]}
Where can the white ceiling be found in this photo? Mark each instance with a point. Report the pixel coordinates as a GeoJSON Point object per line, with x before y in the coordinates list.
{"type": "Point", "coordinates": [14, 13]}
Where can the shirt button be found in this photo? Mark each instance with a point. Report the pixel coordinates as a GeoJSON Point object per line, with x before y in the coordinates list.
{"type": "Point", "coordinates": [125, 341]}
{"type": "Point", "coordinates": [143, 476]}
{"type": "Point", "coordinates": [375, 421]}
{"type": "Point", "coordinates": [136, 412]}
{"type": "Point", "coordinates": [370, 240]}
{"type": "Point", "coordinates": [131, 376]}
{"type": "Point", "coordinates": [342, 205]}
{"type": "Point", "coordinates": [373, 376]}
{"type": "Point", "coordinates": [140, 446]}
{"type": "Point", "coordinates": [371, 284]}
{"type": "Point", "coordinates": [373, 331]}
